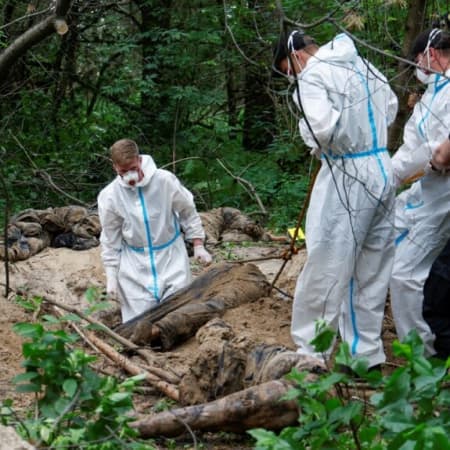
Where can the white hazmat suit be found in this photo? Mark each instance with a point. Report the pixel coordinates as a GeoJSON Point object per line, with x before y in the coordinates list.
{"type": "Point", "coordinates": [349, 225]}
{"type": "Point", "coordinates": [422, 217]}
{"type": "Point", "coordinates": [141, 238]}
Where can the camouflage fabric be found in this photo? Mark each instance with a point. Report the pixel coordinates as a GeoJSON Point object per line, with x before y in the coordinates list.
{"type": "Point", "coordinates": [78, 228]}
{"type": "Point", "coordinates": [229, 224]}
{"type": "Point", "coordinates": [228, 363]}
{"type": "Point", "coordinates": [32, 230]}
{"type": "Point", "coordinates": [183, 323]}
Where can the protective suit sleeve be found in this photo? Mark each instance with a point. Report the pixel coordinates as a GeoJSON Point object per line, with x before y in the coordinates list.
{"type": "Point", "coordinates": [392, 102]}
{"type": "Point", "coordinates": [318, 110]}
{"type": "Point", "coordinates": [111, 281]}
{"type": "Point", "coordinates": [183, 204]}
{"type": "Point", "coordinates": [413, 155]}
{"type": "Point", "coordinates": [111, 235]}
{"type": "Point", "coordinates": [392, 106]}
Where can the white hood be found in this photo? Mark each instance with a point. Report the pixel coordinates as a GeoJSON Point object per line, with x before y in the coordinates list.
{"type": "Point", "coordinates": [148, 167]}
{"type": "Point", "coordinates": [341, 49]}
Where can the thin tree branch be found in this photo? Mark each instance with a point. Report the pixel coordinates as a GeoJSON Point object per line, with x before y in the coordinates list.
{"type": "Point", "coordinates": [248, 187]}
{"type": "Point", "coordinates": [5, 231]}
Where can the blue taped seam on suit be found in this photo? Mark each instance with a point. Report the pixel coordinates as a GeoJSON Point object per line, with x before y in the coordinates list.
{"type": "Point", "coordinates": [401, 236]}
{"type": "Point", "coordinates": [373, 126]}
{"type": "Point", "coordinates": [162, 246]}
{"type": "Point", "coordinates": [353, 317]}
{"type": "Point", "coordinates": [150, 246]}
{"type": "Point", "coordinates": [436, 90]}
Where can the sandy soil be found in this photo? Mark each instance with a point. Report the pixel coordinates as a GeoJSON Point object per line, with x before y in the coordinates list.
{"type": "Point", "coordinates": [64, 275]}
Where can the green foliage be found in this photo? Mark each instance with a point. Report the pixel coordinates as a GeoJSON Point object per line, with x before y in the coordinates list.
{"type": "Point", "coordinates": [410, 410]}
{"type": "Point", "coordinates": [74, 406]}
{"type": "Point", "coordinates": [174, 78]}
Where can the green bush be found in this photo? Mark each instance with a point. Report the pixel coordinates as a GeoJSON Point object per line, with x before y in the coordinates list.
{"type": "Point", "coordinates": [75, 407]}
{"type": "Point", "coordinates": [409, 411]}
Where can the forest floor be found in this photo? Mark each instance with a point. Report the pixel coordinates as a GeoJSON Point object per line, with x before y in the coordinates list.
{"type": "Point", "coordinates": [64, 275]}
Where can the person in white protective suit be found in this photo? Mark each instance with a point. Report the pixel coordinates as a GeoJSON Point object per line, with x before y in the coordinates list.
{"type": "Point", "coordinates": [142, 213]}
{"type": "Point", "coordinates": [347, 105]}
{"type": "Point", "coordinates": [423, 211]}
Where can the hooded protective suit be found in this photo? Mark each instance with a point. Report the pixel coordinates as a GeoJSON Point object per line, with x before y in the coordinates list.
{"type": "Point", "coordinates": [348, 105]}
{"type": "Point", "coordinates": [422, 217]}
{"type": "Point", "coordinates": [141, 236]}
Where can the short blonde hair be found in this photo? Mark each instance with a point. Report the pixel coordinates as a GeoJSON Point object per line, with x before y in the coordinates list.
{"type": "Point", "coordinates": [123, 151]}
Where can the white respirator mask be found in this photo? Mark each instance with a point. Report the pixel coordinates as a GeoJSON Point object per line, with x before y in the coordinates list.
{"type": "Point", "coordinates": [131, 177]}
{"type": "Point", "coordinates": [423, 77]}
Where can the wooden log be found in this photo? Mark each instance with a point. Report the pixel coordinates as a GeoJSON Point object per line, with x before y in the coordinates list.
{"type": "Point", "coordinates": [257, 406]}
{"type": "Point", "coordinates": [133, 369]}
{"type": "Point", "coordinates": [222, 286]}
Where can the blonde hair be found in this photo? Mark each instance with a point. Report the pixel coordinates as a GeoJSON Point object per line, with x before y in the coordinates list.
{"type": "Point", "coordinates": [123, 151]}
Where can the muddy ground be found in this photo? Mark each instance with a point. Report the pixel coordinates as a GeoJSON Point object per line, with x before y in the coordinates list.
{"type": "Point", "coordinates": [64, 275]}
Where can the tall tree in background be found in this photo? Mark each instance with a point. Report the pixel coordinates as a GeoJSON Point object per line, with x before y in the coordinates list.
{"type": "Point", "coordinates": [415, 22]}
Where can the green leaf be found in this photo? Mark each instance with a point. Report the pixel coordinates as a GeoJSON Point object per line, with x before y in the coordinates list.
{"type": "Point", "coordinates": [324, 337]}
{"type": "Point", "coordinates": [92, 294]}
{"type": "Point", "coordinates": [96, 327]}
{"type": "Point", "coordinates": [29, 330]}
{"type": "Point", "coordinates": [61, 404]}
{"type": "Point", "coordinates": [51, 319]}
{"type": "Point", "coordinates": [343, 355]}
{"type": "Point", "coordinates": [70, 387]}
{"type": "Point", "coordinates": [71, 318]}
{"type": "Point", "coordinates": [119, 397]}
{"type": "Point", "coordinates": [398, 422]}
{"type": "Point", "coordinates": [345, 414]}
{"type": "Point", "coordinates": [31, 387]}
{"type": "Point", "coordinates": [45, 432]}
{"type": "Point", "coordinates": [27, 376]}
{"type": "Point", "coordinates": [397, 386]}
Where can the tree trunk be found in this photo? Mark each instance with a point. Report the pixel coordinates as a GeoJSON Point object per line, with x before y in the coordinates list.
{"type": "Point", "coordinates": [259, 114]}
{"type": "Point", "coordinates": [414, 24]}
{"type": "Point", "coordinates": [258, 406]}
{"type": "Point", "coordinates": [154, 16]}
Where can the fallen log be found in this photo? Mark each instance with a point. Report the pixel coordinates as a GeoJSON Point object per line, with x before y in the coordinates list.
{"type": "Point", "coordinates": [257, 406]}
{"type": "Point", "coordinates": [179, 316]}
{"type": "Point", "coordinates": [133, 369]}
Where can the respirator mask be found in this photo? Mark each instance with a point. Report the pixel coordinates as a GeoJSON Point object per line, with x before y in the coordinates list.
{"type": "Point", "coordinates": [421, 74]}
{"type": "Point", "coordinates": [131, 177]}
{"type": "Point", "coordinates": [423, 77]}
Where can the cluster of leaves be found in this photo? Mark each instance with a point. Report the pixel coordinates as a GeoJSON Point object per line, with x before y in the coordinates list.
{"type": "Point", "coordinates": [74, 405]}
{"type": "Point", "coordinates": [410, 409]}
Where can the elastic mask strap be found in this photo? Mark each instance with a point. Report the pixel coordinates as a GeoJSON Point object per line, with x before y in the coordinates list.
{"type": "Point", "coordinates": [433, 34]}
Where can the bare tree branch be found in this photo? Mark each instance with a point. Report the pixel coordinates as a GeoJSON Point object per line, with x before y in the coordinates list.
{"type": "Point", "coordinates": [31, 37]}
{"type": "Point", "coordinates": [248, 187]}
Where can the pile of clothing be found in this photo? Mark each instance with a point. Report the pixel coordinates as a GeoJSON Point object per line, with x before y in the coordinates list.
{"type": "Point", "coordinates": [32, 230]}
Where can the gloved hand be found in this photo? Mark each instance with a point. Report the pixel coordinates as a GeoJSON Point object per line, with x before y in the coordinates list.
{"type": "Point", "coordinates": [111, 282]}
{"type": "Point", "coordinates": [202, 255]}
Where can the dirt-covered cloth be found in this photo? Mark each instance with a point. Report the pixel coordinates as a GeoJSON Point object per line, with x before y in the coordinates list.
{"type": "Point", "coordinates": [223, 286]}
{"type": "Point", "coordinates": [230, 224]}
{"type": "Point", "coordinates": [227, 363]}
{"type": "Point", "coordinates": [183, 323]}
{"type": "Point", "coordinates": [76, 227]}
{"type": "Point", "coordinates": [219, 367]}
{"type": "Point", "coordinates": [32, 230]}
{"type": "Point", "coordinates": [436, 303]}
